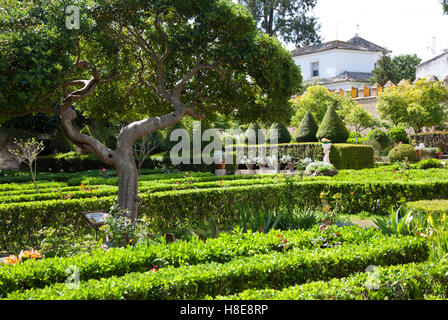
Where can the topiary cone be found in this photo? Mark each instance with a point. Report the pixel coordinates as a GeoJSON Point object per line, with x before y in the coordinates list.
{"type": "Point", "coordinates": [279, 132]}
{"type": "Point", "coordinates": [307, 129]}
{"type": "Point", "coordinates": [333, 128]}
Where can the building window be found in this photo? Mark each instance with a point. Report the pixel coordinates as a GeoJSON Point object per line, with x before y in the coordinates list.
{"type": "Point", "coordinates": [315, 69]}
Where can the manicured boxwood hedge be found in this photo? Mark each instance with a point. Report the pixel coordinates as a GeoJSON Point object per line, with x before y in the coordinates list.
{"type": "Point", "coordinates": [117, 262]}
{"type": "Point", "coordinates": [435, 207]}
{"type": "Point", "coordinates": [413, 281]}
{"type": "Point", "coordinates": [272, 270]}
{"type": "Point", "coordinates": [171, 210]}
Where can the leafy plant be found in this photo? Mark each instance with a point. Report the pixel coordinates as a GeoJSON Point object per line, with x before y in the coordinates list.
{"type": "Point", "coordinates": [398, 222]}
{"type": "Point", "coordinates": [256, 219]}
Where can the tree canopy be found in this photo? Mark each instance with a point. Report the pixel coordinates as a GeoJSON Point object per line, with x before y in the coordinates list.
{"type": "Point", "coordinates": [143, 64]}
{"type": "Point", "coordinates": [289, 20]}
{"type": "Point", "coordinates": [316, 99]}
{"type": "Point", "coordinates": [421, 105]}
{"type": "Point", "coordinates": [395, 69]}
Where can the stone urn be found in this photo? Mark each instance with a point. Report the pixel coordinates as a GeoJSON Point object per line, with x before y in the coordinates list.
{"type": "Point", "coordinates": [326, 145]}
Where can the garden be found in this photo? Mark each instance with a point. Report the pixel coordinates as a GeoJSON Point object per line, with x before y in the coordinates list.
{"type": "Point", "coordinates": [344, 206]}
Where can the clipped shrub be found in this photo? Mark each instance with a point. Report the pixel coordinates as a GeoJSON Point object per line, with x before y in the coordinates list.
{"type": "Point", "coordinates": [397, 135]}
{"type": "Point", "coordinates": [307, 130]}
{"type": "Point", "coordinates": [279, 132]}
{"type": "Point", "coordinates": [403, 152]}
{"type": "Point", "coordinates": [417, 281]}
{"type": "Point", "coordinates": [380, 136]}
{"type": "Point", "coordinates": [434, 207]}
{"type": "Point", "coordinates": [428, 164]}
{"type": "Point", "coordinates": [114, 262]}
{"type": "Point", "coordinates": [332, 128]}
{"type": "Point", "coordinates": [273, 270]}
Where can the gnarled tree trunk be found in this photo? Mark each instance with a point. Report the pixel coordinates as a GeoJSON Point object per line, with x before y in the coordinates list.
{"type": "Point", "coordinates": [127, 182]}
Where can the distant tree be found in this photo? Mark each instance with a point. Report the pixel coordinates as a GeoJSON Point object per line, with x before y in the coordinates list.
{"type": "Point", "coordinates": [395, 69]}
{"type": "Point", "coordinates": [316, 99]}
{"type": "Point", "coordinates": [445, 6]}
{"type": "Point", "coordinates": [288, 20]}
{"type": "Point", "coordinates": [355, 115]}
{"type": "Point", "coordinates": [418, 106]}
{"type": "Point", "coordinates": [405, 65]}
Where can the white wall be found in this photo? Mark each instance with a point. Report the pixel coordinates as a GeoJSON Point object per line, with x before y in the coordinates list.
{"type": "Point", "coordinates": [437, 67]}
{"type": "Point", "coordinates": [334, 62]}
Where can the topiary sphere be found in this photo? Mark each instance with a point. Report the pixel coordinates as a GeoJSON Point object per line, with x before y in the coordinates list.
{"type": "Point", "coordinates": [403, 152]}
{"type": "Point", "coordinates": [379, 136]}
{"type": "Point", "coordinates": [397, 135]}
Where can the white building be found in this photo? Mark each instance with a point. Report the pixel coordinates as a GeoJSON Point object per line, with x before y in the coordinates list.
{"type": "Point", "coordinates": [436, 68]}
{"type": "Point", "coordinates": [338, 64]}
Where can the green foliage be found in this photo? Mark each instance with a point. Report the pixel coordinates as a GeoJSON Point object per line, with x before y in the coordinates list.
{"type": "Point", "coordinates": [355, 115]}
{"type": "Point", "coordinates": [395, 69]}
{"type": "Point", "coordinates": [398, 222]}
{"type": "Point", "coordinates": [428, 164]}
{"type": "Point", "coordinates": [307, 130]}
{"type": "Point", "coordinates": [319, 168]}
{"type": "Point", "coordinates": [317, 99]}
{"type": "Point", "coordinates": [403, 152]}
{"type": "Point", "coordinates": [417, 281]}
{"type": "Point", "coordinates": [332, 128]}
{"type": "Point", "coordinates": [278, 19]}
{"type": "Point", "coordinates": [279, 132]}
{"type": "Point", "coordinates": [284, 268]}
{"type": "Point", "coordinates": [379, 136]}
{"type": "Point", "coordinates": [421, 105]}
{"type": "Point", "coordinates": [397, 135]}
{"type": "Point", "coordinates": [119, 261]}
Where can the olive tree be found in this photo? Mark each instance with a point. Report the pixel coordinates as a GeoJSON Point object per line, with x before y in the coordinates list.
{"type": "Point", "coordinates": [144, 64]}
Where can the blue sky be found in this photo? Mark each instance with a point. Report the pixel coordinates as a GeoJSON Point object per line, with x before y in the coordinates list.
{"type": "Point", "coordinates": [403, 26]}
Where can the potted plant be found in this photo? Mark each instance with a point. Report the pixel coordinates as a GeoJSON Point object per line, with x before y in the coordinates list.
{"type": "Point", "coordinates": [419, 149]}
{"type": "Point", "coordinates": [262, 161]}
{"type": "Point", "coordinates": [288, 160]}
{"type": "Point", "coordinates": [439, 154]}
{"type": "Point", "coordinates": [219, 158]}
{"type": "Point", "coordinates": [249, 163]}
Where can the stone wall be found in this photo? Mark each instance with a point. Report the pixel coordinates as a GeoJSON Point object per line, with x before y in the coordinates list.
{"type": "Point", "coordinates": [434, 140]}
{"type": "Point", "coordinates": [7, 160]}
